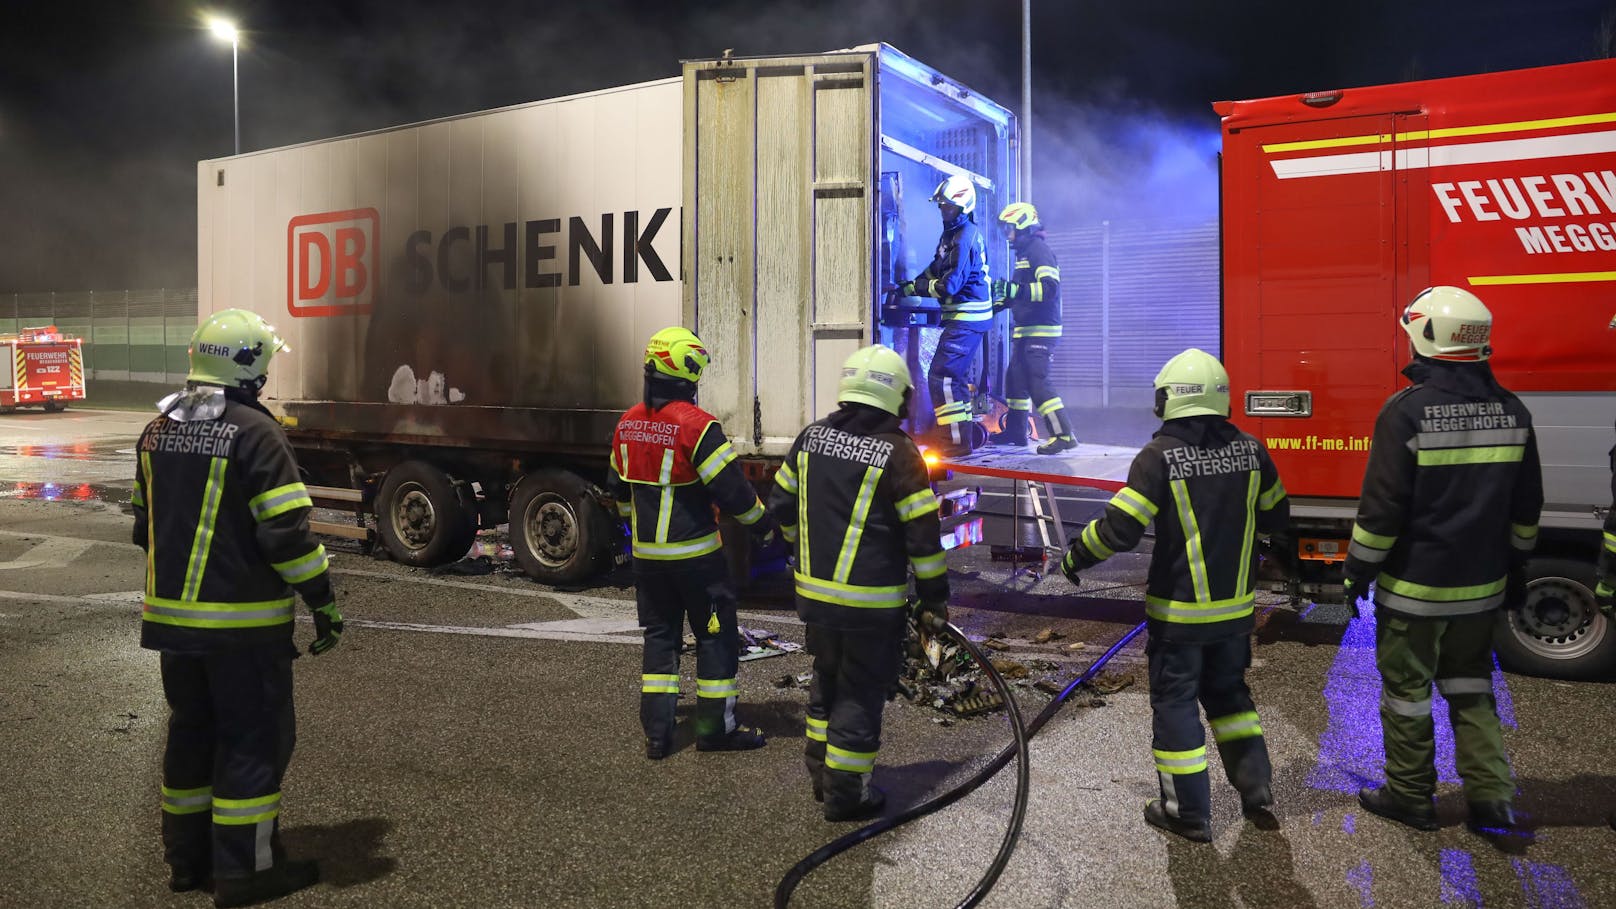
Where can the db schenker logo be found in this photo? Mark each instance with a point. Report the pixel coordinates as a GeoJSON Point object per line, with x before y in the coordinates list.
{"type": "Point", "coordinates": [331, 262]}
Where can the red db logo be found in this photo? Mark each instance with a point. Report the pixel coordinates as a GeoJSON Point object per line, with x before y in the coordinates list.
{"type": "Point", "coordinates": [330, 262]}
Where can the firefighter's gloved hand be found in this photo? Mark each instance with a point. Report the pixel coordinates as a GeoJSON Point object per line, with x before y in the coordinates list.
{"type": "Point", "coordinates": [1070, 568]}
{"type": "Point", "coordinates": [1002, 290]}
{"type": "Point", "coordinates": [327, 629]}
{"type": "Point", "coordinates": [932, 616]}
{"type": "Point", "coordinates": [1359, 576]}
{"type": "Point", "coordinates": [1515, 586]}
{"type": "Point", "coordinates": [907, 289]}
{"type": "Point", "coordinates": [1605, 596]}
{"type": "Point", "coordinates": [764, 532]}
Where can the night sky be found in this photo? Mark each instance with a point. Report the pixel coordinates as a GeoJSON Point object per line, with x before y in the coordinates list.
{"type": "Point", "coordinates": [105, 107]}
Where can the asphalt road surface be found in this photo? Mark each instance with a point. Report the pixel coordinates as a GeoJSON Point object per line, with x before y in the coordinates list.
{"type": "Point", "coordinates": [475, 742]}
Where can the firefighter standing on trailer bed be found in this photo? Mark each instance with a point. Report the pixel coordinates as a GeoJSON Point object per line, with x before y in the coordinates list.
{"type": "Point", "coordinates": [855, 497]}
{"type": "Point", "coordinates": [1211, 489]}
{"type": "Point", "coordinates": [958, 278]}
{"type": "Point", "coordinates": [1033, 297]}
{"type": "Point", "coordinates": [1449, 513]}
{"type": "Point", "coordinates": [224, 521]}
{"type": "Point", "coordinates": [670, 465]}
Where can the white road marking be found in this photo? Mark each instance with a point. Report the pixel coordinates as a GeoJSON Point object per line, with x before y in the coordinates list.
{"type": "Point", "coordinates": [51, 552]}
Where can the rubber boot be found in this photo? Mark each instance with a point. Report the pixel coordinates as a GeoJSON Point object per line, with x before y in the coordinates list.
{"type": "Point", "coordinates": [1258, 807]}
{"type": "Point", "coordinates": [1014, 433]}
{"type": "Point", "coordinates": [1157, 816]}
{"type": "Point", "coordinates": [1414, 814]}
{"type": "Point", "coordinates": [741, 738]}
{"type": "Point", "coordinates": [1491, 817]}
{"type": "Point", "coordinates": [275, 883]}
{"type": "Point", "coordinates": [850, 797]}
{"type": "Point", "coordinates": [1057, 445]}
{"type": "Point", "coordinates": [185, 878]}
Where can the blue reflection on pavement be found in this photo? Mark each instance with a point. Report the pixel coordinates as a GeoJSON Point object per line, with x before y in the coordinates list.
{"type": "Point", "coordinates": [1459, 879]}
{"type": "Point", "coordinates": [1547, 886]}
{"type": "Point", "coordinates": [1363, 877]}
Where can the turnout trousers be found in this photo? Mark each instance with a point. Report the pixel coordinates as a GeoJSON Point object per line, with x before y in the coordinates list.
{"type": "Point", "coordinates": [1457, 654]}
{"type": "Point", "coordinates": [854, 671]}
{"type": "Point", "coordinates": [1213, 674]}
{"type": "Point", "coordinates": [948, 380]}
{"type": "Point", "coordinates": [1027, 385]}
{"type": "Point", "coordinates": [231, 730]}
{"type": "Point", "coordinates": [696, 592]}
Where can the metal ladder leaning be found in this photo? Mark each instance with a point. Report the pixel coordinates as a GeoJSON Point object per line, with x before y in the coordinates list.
{"type": "Point", "coordinates": [1045, 515]}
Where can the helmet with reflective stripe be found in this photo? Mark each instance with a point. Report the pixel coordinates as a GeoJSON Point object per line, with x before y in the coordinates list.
{"type": "Point", "coordinates": [677, 352]}
{"type": "Point", "coordinates": [957, 190]}
{"type": "Point", "coordinates": [1020, 215]}
{"type": "Point", "coordinates": [1192, 384]}
{"type": "Point", "coordinates": [1449, 323]}
{"type": "Point", "coordinates": [233, 348]}
{"type": "Point", "coordinates": [877, 376]}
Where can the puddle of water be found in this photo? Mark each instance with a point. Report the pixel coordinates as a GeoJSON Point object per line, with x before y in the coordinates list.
{"type": "Point", "coordinates": [64, 492]}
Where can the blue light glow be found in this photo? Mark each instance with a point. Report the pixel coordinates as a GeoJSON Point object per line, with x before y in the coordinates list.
{"type": "Point", "coordinates": [1459, 879]}
{"type": "Point", "coordinates": [1547, 886]}
{"type": "Point", "coordinates": [1363, 877]}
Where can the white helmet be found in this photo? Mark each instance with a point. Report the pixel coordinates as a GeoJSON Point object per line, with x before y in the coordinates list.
{"type": "Point", "coordinates": [957, 190]}
{"type": "Point", "coordinates": [1449, 323]}
{"type": "Point", "coordinates": [1192, 384]}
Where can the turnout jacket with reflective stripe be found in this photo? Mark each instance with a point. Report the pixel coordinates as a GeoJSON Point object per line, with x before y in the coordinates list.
{"type": "Point", "coordinates": [1210, 489]}
{"type": "Point", "coordinates": [670, 466]}
{"type": "Point", "coordinates": [1034, 299]}
{"type": "Point", "coordinates": [854, 496]}
{"type": "Point", "coordinates": [958, 275]}
{"type": "Point", "coordinates": [1452, 493]}
{"type": "Point", "coordinates": [224, 519]}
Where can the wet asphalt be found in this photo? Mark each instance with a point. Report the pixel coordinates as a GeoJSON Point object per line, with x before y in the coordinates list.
{"type": "Point", "coordinates": [460, 749]}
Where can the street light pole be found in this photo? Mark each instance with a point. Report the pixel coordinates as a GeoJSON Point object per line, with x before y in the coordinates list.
{"type": "Point", "coordinates": [225, 30]}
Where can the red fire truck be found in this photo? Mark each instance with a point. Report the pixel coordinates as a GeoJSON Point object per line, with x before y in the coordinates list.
{"type": "Point", "coordinates": [40, 367]}
{"type": "Point", "coordinates": [1340, 206]}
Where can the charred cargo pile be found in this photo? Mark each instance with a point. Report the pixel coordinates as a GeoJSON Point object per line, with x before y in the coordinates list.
{"type": "Point", "coordinates": [943, 675]}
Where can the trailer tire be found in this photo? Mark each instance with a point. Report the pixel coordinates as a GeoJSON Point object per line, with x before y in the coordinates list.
{"type": "Point", "coordinates": [55, 406]}
{"type": "Point", "coordinates": [1560, 632]}
{"type": "Point", "coordinates": [424, 517]}
{"type": "Point", "coordinates": [559, 533]}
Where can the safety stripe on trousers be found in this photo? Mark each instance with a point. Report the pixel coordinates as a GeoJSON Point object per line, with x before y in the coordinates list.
{"type": "Point", "coordinates": [849, 761]}
{"type": "Point", "coordinates": [202, 542]}
{"type": "Point", "coordinates": [1035, 331]}
{"type": "Point", "coordinates": [659, 683]}
{"type": "Point", "coordinates": [1405, 708]}
{"type": "Point", "coordinates": [241, 812]}
{"type": "Point", "coordinates": [1236, 726]}
{"type": "Point", "coordinates": [1050, 406]}
{"type": "Point", "coordinates": [1180, 763]}
{"type": "Point", "coordinates": [1464, 685]}
{"type": "Point", "coordinates": [818, 729]}
{"type": "Point", "coordinates": [718, 688]}
{"type": "Point", "coordinates": [187, 801]}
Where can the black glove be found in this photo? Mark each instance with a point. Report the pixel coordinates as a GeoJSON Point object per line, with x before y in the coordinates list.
{"type": "Point", "coordinates": [932, 616]}
{"type": "Point", "coordinates": [327, 629]}
{"type": "Point", "coordinates": [1070, 569]}
{"type": "Point", "coordinates": [1515, 587]}
{"type": "Point", "coordinates": [764, 532]}
{"type": "Point", "coordinates": [1359, 575]}
{"type": "Point", "coordinates": [907, 289]}
{"type": "Point", "coordinates": [1605, 596]}
{"type": "Point", "coordinates": [1001, 291]}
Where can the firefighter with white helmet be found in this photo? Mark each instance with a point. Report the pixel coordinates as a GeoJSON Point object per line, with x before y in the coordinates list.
{"type": "Point", "coordinates": [224, 519]}
{"type": "Point", "coordinates": [671, 464]}
{"type": "Point", "coordinates": [1448, 515]}
{"type": "Point", "coordinates": [1211, 490]}
{"type": "Point", "coordinates": [1034, 299]}
{"type": "Point", "coordinates": [958, 278]}
{"type": "Point", "coordinates": [855, 498]}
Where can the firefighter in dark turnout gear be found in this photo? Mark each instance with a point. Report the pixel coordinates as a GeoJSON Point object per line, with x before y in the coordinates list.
{"type": "Point", "coordinates": [224, 520]}
{"type": "Point", "coordinates": [1033, 297]}
{"type": "Point", "coordinates": [670, 465]}
{"type": "Point", "coordinates": [958, 277]}
{"type": "Point", "coordinates": [854, 496]}
{"type": "Point", "coordinates": [1211, 491]}
{"type": "Point", "coordinates": [1448, 514]}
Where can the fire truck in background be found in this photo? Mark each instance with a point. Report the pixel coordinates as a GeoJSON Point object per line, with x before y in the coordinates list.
{"type": "Point", "coordinates": [40, 367]}
{"type": "Point", "coordinates": [1338, 207]}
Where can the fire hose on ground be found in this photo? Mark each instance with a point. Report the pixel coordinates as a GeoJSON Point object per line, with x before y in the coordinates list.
{"type": "Point", "coordinates": [1023, 734]}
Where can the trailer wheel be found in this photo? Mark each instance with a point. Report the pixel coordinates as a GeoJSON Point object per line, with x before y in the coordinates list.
{"type": "Point", "coordinates": [559, 533]}
{"type": "Point", "coordinates": [1560, 632]}
{"type": "Point", "coordinates": [424, 517]}
{"type": "Point", "coordinates": [55, 406]}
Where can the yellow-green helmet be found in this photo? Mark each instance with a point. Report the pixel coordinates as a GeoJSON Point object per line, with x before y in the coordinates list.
{"type": "Point", "coordinates": [1019, 215]}
{"type": "Point", "coordinates": [877, 376]}
{"type": "Point", "coordinates": [233, 348]}
{"type": "Point", "coordinates": [1191, 384]}
{"type": "Point", "coordinates": [677, 352]}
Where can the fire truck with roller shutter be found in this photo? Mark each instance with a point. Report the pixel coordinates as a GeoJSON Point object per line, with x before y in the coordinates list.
{"type": "Point", "coordinates": [40, 366]}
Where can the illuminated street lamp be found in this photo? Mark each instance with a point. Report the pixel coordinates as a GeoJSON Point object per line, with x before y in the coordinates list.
{"type": "Point", "coordinates": [225, 30]}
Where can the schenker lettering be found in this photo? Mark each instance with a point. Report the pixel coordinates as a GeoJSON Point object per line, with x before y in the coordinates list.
{"type": "Point", "coordinates": [1239, 456]}
{"type": "Point", "coordinates": [1467, 416]}
{"type": "Point", "coordinates": [202, 437]}
{"type": "Point", "coordinates": [834, 443]}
